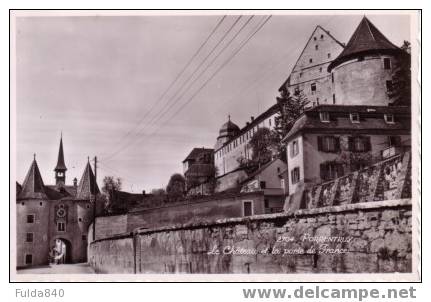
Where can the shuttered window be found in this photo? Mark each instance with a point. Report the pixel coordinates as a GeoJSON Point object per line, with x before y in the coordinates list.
{"type": "Point", "coordinates": [359, 144]}
{"type": "Point", "coordinates": [332, 170]}
{"type": "Point", "coordinates": [328, 143]}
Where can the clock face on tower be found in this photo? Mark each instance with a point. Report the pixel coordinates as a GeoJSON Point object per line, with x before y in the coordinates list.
{"type": "Point", "coordinates": [61, 213]}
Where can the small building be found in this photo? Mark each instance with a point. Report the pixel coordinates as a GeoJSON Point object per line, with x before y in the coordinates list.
{"type": "Point", "coordinates": [199, 171]}
{"type": "Point", "coordinates": [53, 220]}
{"type": "Point", "coordinates": [272, 180]}
{"type": "Point", "coordinates": [329, 141]}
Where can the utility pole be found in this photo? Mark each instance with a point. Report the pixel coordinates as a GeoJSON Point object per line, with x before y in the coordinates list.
{"type": "Point", "coordinates": [95, 197]}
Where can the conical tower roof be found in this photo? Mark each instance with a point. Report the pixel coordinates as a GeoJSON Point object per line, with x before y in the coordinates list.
{"type": "Point", "coordinates": [366, 39]}
{"type": "Point", "coordinates": [33, 186]}
{"type": "Point", "coordinates": [87, 185]}
{"type": "Point", "coordinates": [61, 166]}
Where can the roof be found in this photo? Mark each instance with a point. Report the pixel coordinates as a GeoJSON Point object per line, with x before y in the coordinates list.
{"type": "Point", "coordinates": [55, 192]}
{"type": "Point", "coordinates": [229, 128]}
{"type": "Point", "coordinates": [18, 188]}
{"type": "Point", "coordinates": [33, 187]}
{"type": "Point", "coordinates": [87, 185]}
{"type": "Point", "coordinates": [196, 152]}
{"type": "Point", "coordinates": [197, 170]}
{"type": "Point", "coordinates": [372, 119]}
{"type": "Point", "coordinates": [261, 169]}
{"type": "Point", "coordinates": [60, 161]}
{"type": "Point", "coordinates": [366, 38]}
{"type": "Point", "coordinates": [270, 111]}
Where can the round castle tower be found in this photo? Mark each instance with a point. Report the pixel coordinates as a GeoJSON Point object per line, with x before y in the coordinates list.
{"type": "Point", "coordinates": [363, 73]}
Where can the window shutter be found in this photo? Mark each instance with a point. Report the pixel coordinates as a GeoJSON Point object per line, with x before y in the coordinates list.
{"type": "Point", "coordinates": [319, 143]}
{"type": "Point", "coordinates": [337, 144]}
{"type": "Point", "coordinates": [351, 145]}
{"type": "Point", "coordinates": [367, 141]}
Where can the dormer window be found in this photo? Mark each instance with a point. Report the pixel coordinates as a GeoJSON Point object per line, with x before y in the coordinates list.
{"type": "Point", "coordinates": [354, 117]}
{"type": "Point", "coordinates": [389, 118]}
{"type": "Point", "coordinates": [324, 117]}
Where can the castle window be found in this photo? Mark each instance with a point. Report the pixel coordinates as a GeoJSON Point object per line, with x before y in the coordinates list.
{"type": "Point", "coordinates": [320, 69]}
{"type": "Point", "coordinates": [269, 121]}
{"type": "Point", "coordinates": [295, 176]}
{"type": "Point", "coordinates": [313, 87]}
{"type": "Point", "coordinates": [328, 143]}
{"type": "Point", "coordinates": [22, 203]}
{"type": "Point", "coordinates": [332, 77]}
{"type": "Point", "coordinates": [61, 226]}
{"type": "Point", "coordinates": [329, 55]}
{"type": "Point", "coordinates": [387, 63]}
{"type": "Point", "coordinates": [263, 185]}
{"type": "Point", "coordinates": [300, 74]}
{"type": "Point", "coordinates": [324, 117]}
{"type": "Point", "coordinates": [389, 118]}
{"type": "Point", "coordinates": [321, 37]}
{"type": "Point", "coordinates": [41, 203]}
{"type": "Point", "coordinates": [294, 150]}
{"type": "Point", "coordinates": [28, 259]}
{"type": "Point", "coordinates": [315, 39]}
{"type": "Point", "coordinates": [354, 117]}
{"type": "Point", "coordinates": [30, 218]}
{"type": "Point", "coordinates": [311, 60]}
{"type": "Point", "coordinates": [29, 237]}
{"type": "Point", "coordinates": [389, 86]}
{"type": "Point", "coordinates": [333, 98]}
{"type": "Point", "coordinates": [84, 237]}
{"type": "Point", "coordinates": [317, 47]}
{"type": "Point", "coordinates": [359, 144]}
{"type": "Point", "coordinates": [79, 219]}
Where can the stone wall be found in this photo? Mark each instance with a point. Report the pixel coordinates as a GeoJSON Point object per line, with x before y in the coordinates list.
{"type": "Point", "coordinates": [371, 237]}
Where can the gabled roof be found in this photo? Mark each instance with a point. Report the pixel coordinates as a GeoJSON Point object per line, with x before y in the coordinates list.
{"type": "Point", "coordinates": [366, 38]}
{"type": "Point", "coordinates": [33, 187]}
{"type": "Point", "coordinates": [60, 161]}
{"type": "Point", "coordinates": [87, 185]}
{"type": "Point", "coordinates": [194, 154]}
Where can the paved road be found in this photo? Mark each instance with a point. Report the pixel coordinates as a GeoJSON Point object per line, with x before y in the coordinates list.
{"type": "Point", "coordinates": [79, 268]}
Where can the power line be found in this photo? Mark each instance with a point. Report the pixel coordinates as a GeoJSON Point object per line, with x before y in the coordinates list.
{"type": "Point", "coordinates": [176, 78]}
{"type": "Point", "coordinates": [259, 27]}
{"type": "Point", "coordinates": [183, 84]}
{"type": "Point", "coordinates": [163, 112]}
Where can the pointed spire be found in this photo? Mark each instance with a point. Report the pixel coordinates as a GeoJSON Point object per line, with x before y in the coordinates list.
{"type": "Point", "coordinates": [87, 185]}
{"type": "Point", "coordinates": [366, 39]}
{"type": "Point", "coordinates": [33, 186]}
{"type": "Point", "coordinates": [60, 161]}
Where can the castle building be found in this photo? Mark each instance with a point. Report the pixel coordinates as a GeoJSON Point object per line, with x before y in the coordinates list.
{"type": "Point", "coordinates": [199, 171]}
{"type": "Point", "coordinates": [232, 142]}
{"type": "Point", "coordinates": [363, 73]}
{"type": "Point", "coordinates": [310, 73]}
{"type": "Point", "coordinates": [53, 220]}
{"type": "Point", "coordinates": [361, 126]}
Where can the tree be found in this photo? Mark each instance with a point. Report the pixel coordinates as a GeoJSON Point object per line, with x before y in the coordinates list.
{"type": "Point", "coordinates": [110, 184]}
{"type": "Point", "coordinates": [400, 91]}
{"type": "Point", "coordinates": [176, 187]}
{"type": "Point", "coordinates": [264, 145]}
{"type": "Point", "coordinates": [290, 108]}
{"type": "Point", "coordinates": [158, 192]}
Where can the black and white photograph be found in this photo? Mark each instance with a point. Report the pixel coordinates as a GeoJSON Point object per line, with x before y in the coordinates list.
{"type": "Point", "coordinates": [214, 145]}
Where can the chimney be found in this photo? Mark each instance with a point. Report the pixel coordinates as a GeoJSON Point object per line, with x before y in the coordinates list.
{"type": "Point", "coordinates": [247, 123]}
{"type": "Point", "coordinates": [143, 192]}
{"type": "Point", "coordinates": [252, 119]}
{"type": "Point", "coordinates": [75, 182]}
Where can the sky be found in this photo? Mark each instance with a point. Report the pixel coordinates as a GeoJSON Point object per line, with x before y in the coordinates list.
{"type": "Point", "coordinates": [107, 83]}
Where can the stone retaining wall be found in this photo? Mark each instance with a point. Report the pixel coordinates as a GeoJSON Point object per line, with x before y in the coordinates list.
{"type": "Point", "coordinates": [373, 237]}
